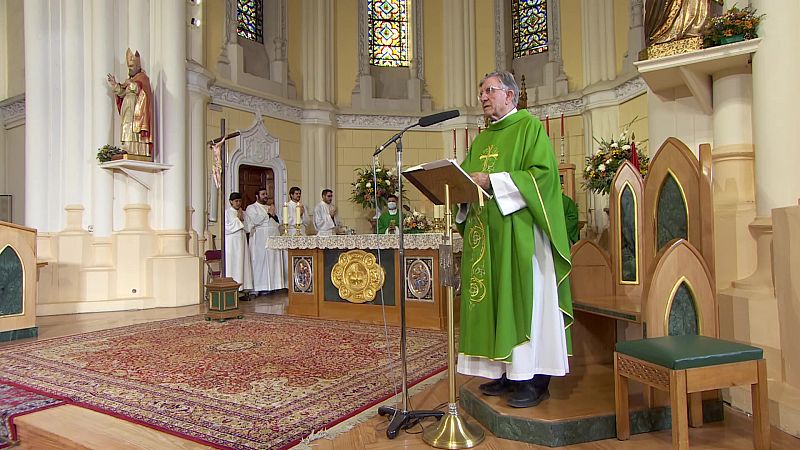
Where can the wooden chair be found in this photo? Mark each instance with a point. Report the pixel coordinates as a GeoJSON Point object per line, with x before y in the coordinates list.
{"type": "Point", "coordinates": [681, 353]}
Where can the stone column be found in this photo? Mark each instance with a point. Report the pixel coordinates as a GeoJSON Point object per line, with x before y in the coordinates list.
{"type": "Point", "coordinates": [37, 112]}
{"type": "Point", "coordinates": [775, 117]}
{"type": "Point", "coordinates": [461, 84]}
{"type": "Point", "coordinates": [599, 59]}
{"type": "Point", "coordinates": [734, 196]}
{"type": "Point", "coordinates": [102, 39]}
{"type": "Point", "coordinates": [76, 152]}
{"type": "Point", "coordinates": [198, 79]}
{"type": "Point", "coordinates": [317, 131]}
{"type": "Point", "coordinates": [173, 129]}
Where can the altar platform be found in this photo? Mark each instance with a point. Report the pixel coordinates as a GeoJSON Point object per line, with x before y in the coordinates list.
{"type": "Point", "coordinates": [313, 276]}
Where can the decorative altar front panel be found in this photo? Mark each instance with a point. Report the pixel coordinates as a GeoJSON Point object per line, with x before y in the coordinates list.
{"type": "Point", "coordinates": [314, 292]}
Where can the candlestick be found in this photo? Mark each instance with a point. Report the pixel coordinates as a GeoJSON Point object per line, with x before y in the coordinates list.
{"type": "Point", "coordinates": [454, 143]}
{"type": "Point", "coordinates": [562, 124]}
{"type": "Point", "coordinates": [547, 124]}
{"type": "Point", "coordinates": [285, 213]}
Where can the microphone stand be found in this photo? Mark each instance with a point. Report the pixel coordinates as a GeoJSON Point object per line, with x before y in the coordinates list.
{"type": "Point", "coordinates": [402, 418]}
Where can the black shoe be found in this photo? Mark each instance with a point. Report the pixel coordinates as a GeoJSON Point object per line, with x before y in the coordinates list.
{"type": "Point", "coordinates": [531, 392]}
{"type": "Point", "coordinates": [496, 387]}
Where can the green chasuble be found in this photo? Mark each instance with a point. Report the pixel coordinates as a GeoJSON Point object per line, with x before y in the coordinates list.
{"type": "Point", "coordinates": [497, 259]}
{"type": "Point", "coordinates": [384, 219]}
{"type": "Point", "coordinates": [571, 218]}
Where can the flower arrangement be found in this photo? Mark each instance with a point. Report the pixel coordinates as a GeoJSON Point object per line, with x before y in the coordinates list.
{"type": "Point", "coordinates": [416, 222]}
{"type": "Point", "coordinates": [731, 25]}
{"type": "Point", "coordinates": [602, 166]}
{"type": "Point", "coordinates": [107, 152]}
{"type": "Point", "coordinates": [365, 187]}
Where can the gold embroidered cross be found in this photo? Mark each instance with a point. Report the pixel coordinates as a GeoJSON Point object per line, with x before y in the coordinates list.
{"type": "Point", "coordinates": [489, 158]}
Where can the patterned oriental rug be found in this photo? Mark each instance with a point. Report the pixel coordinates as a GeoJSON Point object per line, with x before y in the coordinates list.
{"type": "Point", "coordinates": [15, 401]}
{"type": "Point", "coordinates": [260, 382]}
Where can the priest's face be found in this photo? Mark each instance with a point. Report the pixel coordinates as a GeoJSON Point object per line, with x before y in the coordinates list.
{"type": "Point", "coordinates": [296, 196]}
{"type": "Point", "coordinates": [328, 197]}
{"type": "Point", "coordinates": [262, 197]}
{"type": "Point", "coordinates": [496, 100]}
{"type": "Point", "coordinates": [236, 204]}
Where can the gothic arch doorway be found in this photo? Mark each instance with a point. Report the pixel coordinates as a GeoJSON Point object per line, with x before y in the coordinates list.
{"type": "Point", "coordinates": [253, 178]}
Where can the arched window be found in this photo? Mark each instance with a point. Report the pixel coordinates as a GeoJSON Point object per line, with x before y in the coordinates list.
{"type": "Point", "coordinates": [388, 32]}
{"type": "Point", "coordinates": [250, 22]}
{"type": "Point", "coordinates": [529, 27]}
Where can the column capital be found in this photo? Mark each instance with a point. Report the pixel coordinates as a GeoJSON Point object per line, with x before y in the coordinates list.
{"type": "Point", "coordinates": [198, 78]}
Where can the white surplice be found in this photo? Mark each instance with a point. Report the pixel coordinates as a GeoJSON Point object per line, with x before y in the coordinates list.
{"type": "Point", "coordinates": [269, 266]}
{"type": "Point", "coordinates": [305, 220]}
{"type": "Point", "coordinates": [237, 255]}
{"type": "Point", "coordinates": [325, 224]}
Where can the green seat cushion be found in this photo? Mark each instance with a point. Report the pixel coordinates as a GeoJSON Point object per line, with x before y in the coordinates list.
{"type": "Point", "coordinates": [689, 351]}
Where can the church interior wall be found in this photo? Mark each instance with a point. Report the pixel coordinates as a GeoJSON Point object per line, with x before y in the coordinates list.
{"type": "Point", "coordinates": [571, 44]}
{"type": "Point", "coordinates": [485, 61]}
{"type": "Point", "coordinates": [12, 49]}
{"type": "Point", "coordinates": [346, 48]}
{"type": "Point", "coordinates": [622, 17]}
{"type": "Point", "coordinates": [435, 46]}
{"type": "Point", "coordinates": [12, 175]}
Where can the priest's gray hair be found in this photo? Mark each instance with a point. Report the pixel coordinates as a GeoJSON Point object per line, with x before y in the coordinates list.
{"type": "Point", "coordinates": [507, 80]}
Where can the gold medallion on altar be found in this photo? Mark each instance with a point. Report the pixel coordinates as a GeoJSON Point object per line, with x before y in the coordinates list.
{"type": "Point", "coordinates": [358, 276]}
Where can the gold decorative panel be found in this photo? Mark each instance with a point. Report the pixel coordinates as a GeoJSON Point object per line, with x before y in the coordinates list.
{"type": "Point", "coordinates": [358, 276]}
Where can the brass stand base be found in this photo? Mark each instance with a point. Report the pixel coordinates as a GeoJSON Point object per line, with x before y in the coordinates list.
{"type": "Point", "coordinates": [453, 432]}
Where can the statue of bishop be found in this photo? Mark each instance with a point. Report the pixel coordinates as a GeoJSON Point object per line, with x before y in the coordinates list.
{"type": "Point", "coordinates": [134, 99]}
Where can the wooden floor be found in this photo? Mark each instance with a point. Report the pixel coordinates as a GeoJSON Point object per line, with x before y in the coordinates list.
{"type": "Point", "coordinates": [71, 427]}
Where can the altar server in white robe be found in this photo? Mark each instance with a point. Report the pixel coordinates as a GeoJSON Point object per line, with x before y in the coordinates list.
{"type": "Point", "coordinates": [326, 217]}
{"type": "Point", "coordinates": [269, 269]}
{"type": "Point", "coordinates": [293, 206]}
{"type": "Point", "coordinates": [237, 255]}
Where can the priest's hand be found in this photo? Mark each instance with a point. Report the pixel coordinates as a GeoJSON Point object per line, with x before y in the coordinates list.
{"type": "Point", "coordinates": [332, 210]}
{"type": "Point", "coordinates": [112, 81]}
{"type": "Point", "coordinates": [482, 180]}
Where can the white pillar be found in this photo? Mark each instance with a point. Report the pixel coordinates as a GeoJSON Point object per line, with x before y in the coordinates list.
{"type": "Point", "coordinates": [102, 114]}
{"type": "Point", "coordinates": [461, 84]}
{"type": "Point", "coordinates": [73, 106]}
{"type": "Point", "coordinates": [199, 80]}
{"type": "Point", "coordinates": [734, 194]}
{"type": "Point", "coordinates": [318, 51]}
{"type": "Point", "coordinates": [599, 58]}
{"type": "Point", "coordinates": [37, 112]}
{"type": "Point", "coordinates": [776, 94]}
{"type": "Point", "coordinates": [173, 130]}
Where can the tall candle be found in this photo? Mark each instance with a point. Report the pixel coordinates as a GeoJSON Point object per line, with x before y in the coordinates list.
{"type": "Point", "coordinates": [547, 124]}
{"type": "Point", "coordinates": [466, 137]}
{"type": "Point", "coordinates": [298, 217]}
{"type": "Point", "coordinates": [285, 212]}
{"type": "Point", "coordinates": [454, 142]}
{"type": "Point", "coordinates": [562, 124]}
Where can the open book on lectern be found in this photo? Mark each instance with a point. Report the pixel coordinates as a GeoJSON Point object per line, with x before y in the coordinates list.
{"type": "Point", "coordinates": [431, 177]}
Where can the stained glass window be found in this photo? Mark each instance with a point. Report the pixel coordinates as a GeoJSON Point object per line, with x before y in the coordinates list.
{"type": "Point", "coordinates": [248, 16]}
{"type": "Point", "coordinates": [388, 32]}
{"type": "Point", "coordinates": [529, 27]}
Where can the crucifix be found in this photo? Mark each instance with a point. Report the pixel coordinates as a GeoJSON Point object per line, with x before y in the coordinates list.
{"type": "Point", "coordinates": [223, 292]}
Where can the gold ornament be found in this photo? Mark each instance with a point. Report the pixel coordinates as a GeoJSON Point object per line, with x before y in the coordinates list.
{"type": "Point", "coordinates": [358, 276]}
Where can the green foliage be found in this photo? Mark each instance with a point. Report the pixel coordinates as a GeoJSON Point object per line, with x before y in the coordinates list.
{"type": "Point", "coordinates": [106, 152]}
{"type": "Point", "coordinates": [602, 166]}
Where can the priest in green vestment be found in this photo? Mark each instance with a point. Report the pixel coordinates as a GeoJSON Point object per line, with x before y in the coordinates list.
{"type": "Point", "coordinates": [387, 222]}
{"type": "Point", "coordinates": [516, 307]}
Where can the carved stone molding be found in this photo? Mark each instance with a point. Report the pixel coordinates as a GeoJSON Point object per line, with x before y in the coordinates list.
{"type": "Point", "coordinates": [624, 92]}
{"type": "Point", "coordinates": [258, 148]}
{"type": "Point", "coordinates": [12, 110]}
{"type": "Point", "coordinates": [630, 89]}
{"type": "Point", "coordinates": [363, 241]}
{"type": "Point", "coordinates": [240, 100]}
{"type": "Point", "coordinates": [374, 122]}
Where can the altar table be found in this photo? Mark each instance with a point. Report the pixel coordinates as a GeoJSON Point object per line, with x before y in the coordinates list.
{"type": "Point", "coordinates": [313, 275]}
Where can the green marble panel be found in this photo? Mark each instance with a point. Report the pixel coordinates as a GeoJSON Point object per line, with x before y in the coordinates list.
{"type": "Point", "coordinates": [24, 333]}
{"type": "Point", "coordinates": [570, 431]}
{"type": "Point", "coordinates": [11, 280]}
{"type": "Point", "coordinates": [671, 220]}
{"type": "Point", "coordinates": [627, 213]}
{"type": "Point", "coordinates": [683, 313]}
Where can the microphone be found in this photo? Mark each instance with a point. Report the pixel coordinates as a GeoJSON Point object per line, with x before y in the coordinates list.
{"type": "Point", "coordinates": [425, 121]}
{"type": "Point", "coordinates": [433, 119]}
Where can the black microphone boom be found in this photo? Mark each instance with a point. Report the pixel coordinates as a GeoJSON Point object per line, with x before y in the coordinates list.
{"type": "Point", "coordinates": [426, 121]}
{"type": "Point", "coordinates": [433, 119]}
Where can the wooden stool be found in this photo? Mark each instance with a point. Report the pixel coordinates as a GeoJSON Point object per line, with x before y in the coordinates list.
{"type": "Point", "coordinates": [686, 366]}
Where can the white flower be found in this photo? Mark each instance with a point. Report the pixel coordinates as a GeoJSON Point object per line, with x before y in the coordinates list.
{"type": "Point", "coordinates": [626, 147]}
{"type": "Point", "coordinates": [378, 169]}
{"type": "Point", "coordinates": [369, 184]}
{"type": "Point", "coordinates": [388, 182]}
{"type": "Point", "coordinates": [601, 167]}
{"type": "Point", "coordinates": [614, 145]}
